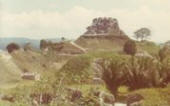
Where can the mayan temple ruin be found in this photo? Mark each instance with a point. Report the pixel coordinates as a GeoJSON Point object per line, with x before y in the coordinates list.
{"type": "Point", "coordinates": [103, 34]}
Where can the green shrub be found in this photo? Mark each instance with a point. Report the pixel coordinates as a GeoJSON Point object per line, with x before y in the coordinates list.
{"type": "Point", "coordinates": [113, 74]}
{"type": "Point", "coordinates": [142, 72]}
{"type": "Point", "coordinates": [164, 52]}
{"type": "Point", "coordinates": [135, 73]}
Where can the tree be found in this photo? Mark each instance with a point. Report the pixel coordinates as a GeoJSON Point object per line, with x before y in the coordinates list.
{"type": "Point", "coordinates": [63, 38]}
{"type": "Point", "coordinates": [130, 47]}
{"type": "Point", "coordinates": [43, 44]}
{"type": "Point", "coordinates": [134, 73]}
{"type": "Point", "coordinates": [12, 47]}
{"type": "Point", "coordinates": [112, 71]}
{"type": "Point", "coordinates": [142, 33]}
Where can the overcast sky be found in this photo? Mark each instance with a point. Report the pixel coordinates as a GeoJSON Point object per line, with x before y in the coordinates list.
{"type": "Point", "coordinates": [69, 18]}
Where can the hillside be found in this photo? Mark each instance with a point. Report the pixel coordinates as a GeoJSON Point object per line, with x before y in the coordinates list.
{"type": "Point", "coordinates": [9, 70]}
{"type": "Point", "coordinates": [148, 46]}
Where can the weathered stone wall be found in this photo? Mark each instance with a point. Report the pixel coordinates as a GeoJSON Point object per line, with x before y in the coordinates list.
{"type": "Point", "coordinates": [63, 48]}
{"type": "Point", "coordinates": [105, 37]}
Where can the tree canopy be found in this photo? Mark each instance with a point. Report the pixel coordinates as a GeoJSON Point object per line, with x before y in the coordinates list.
{"type": "Point", "coordinates": [142, 33]}
{"type": "Point", "coordinates": [12, 47]}
{"type": "Point", "coordinates": [130, 47]}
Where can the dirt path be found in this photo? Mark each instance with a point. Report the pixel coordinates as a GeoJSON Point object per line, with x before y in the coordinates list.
{"type": "Point", "coordinates": [73, 43]}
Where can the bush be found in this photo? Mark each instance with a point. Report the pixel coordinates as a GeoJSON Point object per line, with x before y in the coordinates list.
{"type": "Point", "coordinates": [12, 47]}
{"type": "Point", "coordinates": [113, 76]}
{"type": "Point", "coordinates": [113, 72]}
{"type": "Point", "coordinates": [164, 52]}
{"type": "Point", "coordinates": [26, 95]}
{"type": "Point", "coordinates": [130, 47]}
{"type": "Point", "coordinates": [142, 73]}
{"type": "Point", "coordinates": [135, 73]}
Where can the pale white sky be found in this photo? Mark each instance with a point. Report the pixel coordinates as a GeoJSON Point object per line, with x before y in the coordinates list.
{"type": "Point", "coordinates": [69, 18]}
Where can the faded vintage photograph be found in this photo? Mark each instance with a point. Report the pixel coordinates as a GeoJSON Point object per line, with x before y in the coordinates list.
{"type": "Point", "coordinates": [84, 52]}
